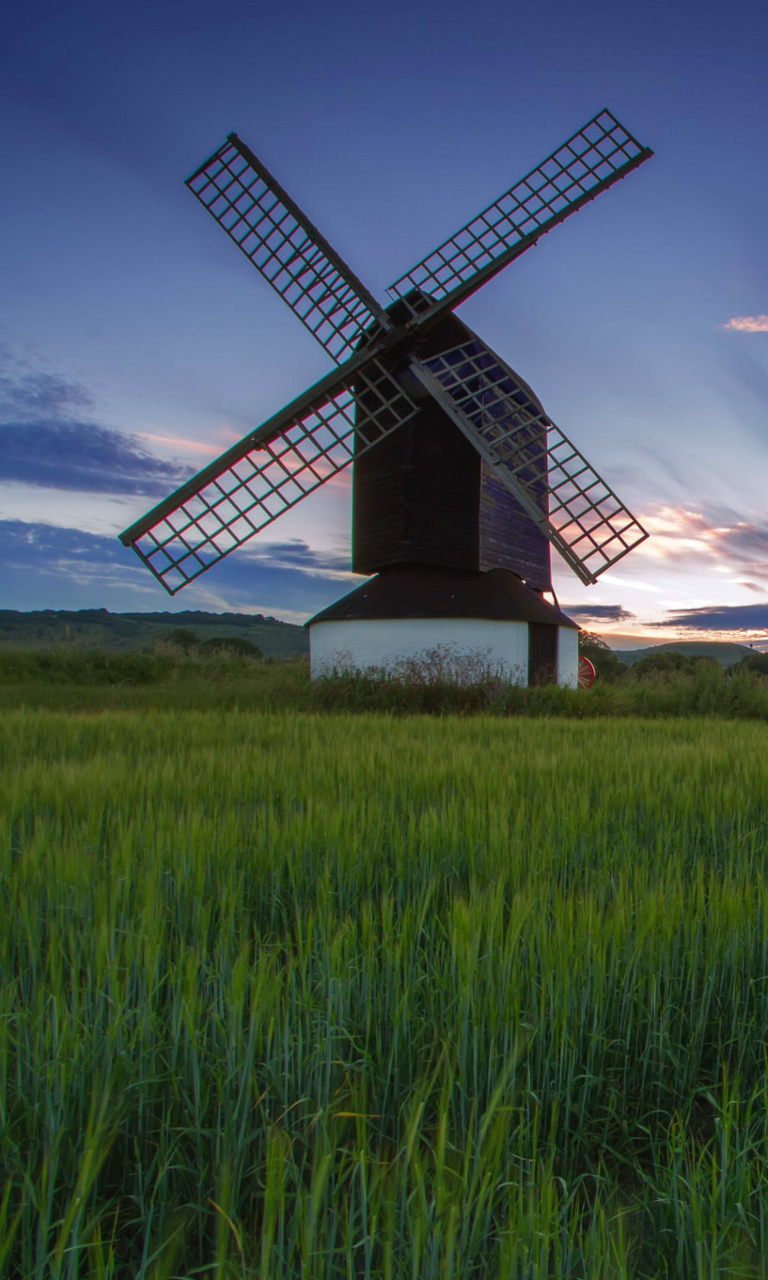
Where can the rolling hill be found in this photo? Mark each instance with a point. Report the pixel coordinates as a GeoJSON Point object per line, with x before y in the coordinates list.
{"type": "Point", "coordinates": [116, 632]}
{"type": "Point", "coordinates": [724, 652]}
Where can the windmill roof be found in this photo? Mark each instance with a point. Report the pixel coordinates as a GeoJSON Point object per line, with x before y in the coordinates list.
{"type": "Point", "coordinates": [416, 591]}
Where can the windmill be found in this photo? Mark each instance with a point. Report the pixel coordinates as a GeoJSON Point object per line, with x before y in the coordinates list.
{"type": "Point", "coordinates": [461, 481]}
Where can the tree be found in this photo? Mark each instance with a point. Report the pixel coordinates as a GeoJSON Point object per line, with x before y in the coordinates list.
{"type": "Point", "coordinates": [669, 662]}
{"type": "Point", "coordinates": [755, 662]}
{"type": "Point", "coordinates": [607, 665]}
{"type": "Point", "coordinates": [182, 638]}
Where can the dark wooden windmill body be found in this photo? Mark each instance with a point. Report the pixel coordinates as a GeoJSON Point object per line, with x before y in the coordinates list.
{"type": "Point", "coordinates": [426, 496]}
{"type": "Point", "coordinates": [461, 482]}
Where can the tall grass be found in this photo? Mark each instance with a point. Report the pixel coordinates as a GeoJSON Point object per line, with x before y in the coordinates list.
{"type": "Point", "coordinates": [375, 997]}
{"type": "Point", "coordinates": [168, 678]}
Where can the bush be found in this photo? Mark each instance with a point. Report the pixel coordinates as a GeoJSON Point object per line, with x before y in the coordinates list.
{"type": "Point", "coordinates": [607, 665]}
{"type": "Point", "coordinates": [755, 663]}
{"type": "Point", "coordinates": [236, 645]}
{"type": "Point", "coordinates": [672, 663]}
{"type": "Point", "coordinates": [164, 679]}
{"type": "Point", "coordinates": [181, 638]}
{"type": "Point", "coordinates": [83, 667]}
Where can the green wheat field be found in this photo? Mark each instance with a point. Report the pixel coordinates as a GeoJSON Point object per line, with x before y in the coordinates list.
{"type": "Point", "coordinates": [333, 996]}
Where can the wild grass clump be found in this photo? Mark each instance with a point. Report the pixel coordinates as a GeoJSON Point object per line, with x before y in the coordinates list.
{"type": "Point", "coordinates": [171, 659]}
{"type": "Point", "coordinates": [375, 997]}
{"type": "Point", "coordinates": [702, 689]}
{"type": "Point", "coordinates": [84, 667]}
{"type": "Point", "coordinates": [207, 679]}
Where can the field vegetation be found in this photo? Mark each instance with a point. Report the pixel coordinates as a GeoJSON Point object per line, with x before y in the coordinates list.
{"type": "Point", "coordinates": [293, 994]}
{"type": "Point", "coordinates": [230, 674]}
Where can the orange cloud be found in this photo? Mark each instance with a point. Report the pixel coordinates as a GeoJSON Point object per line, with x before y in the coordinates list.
{"type": "Point", "coordinates": [748, 324]}
{"type": "Point", "coordinates": [190, 446]}
{"type": "Point", "coordinates": [715, 537]}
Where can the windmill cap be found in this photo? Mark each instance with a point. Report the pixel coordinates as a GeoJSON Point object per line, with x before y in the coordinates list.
{"type": "Point", "coordinates": [419, 591]}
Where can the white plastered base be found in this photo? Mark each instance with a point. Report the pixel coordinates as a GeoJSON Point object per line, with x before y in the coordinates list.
{"type": "Point", "coordinates": [459, 648]}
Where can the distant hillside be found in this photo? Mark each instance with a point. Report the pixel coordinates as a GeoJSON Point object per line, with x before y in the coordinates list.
{"type": "Point", "coordinates": [723, 652]}
{"type": "Point", "coordinates": [99, 629]}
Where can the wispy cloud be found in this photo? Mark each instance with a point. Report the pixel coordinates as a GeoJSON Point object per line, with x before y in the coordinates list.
{"type": "Point", "coordinates": [713, 537]}
{"type": "Point", "coordinates": [29, 393]}
{"type": "Point", "coordinates": [48, 439]}
{"type": "Point", "coordinates": [45, 566]}
{"type": "Point", "coordinates": [83, 456]}
{"type": "Point", "coordinates": [748, 324]}
{"type": "Point", "coordinates": [181, 442]}
{"type": "Point", "coordinates": [297, 555]}
{"type": "Point", "coordinates": [598, 613]}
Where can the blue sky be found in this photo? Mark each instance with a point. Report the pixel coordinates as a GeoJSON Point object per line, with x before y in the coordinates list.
{"type": "Point", "coordinates": [136, 343]}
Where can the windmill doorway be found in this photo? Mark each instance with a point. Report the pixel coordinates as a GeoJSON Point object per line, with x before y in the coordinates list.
{"type": "Point", "coordinates": [542, 653]}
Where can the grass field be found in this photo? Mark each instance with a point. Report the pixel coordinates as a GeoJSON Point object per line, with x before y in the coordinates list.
{"type": "Point", "coordinates": [370, 996]}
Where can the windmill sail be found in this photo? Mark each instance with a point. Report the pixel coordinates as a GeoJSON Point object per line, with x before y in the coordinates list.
{"type": "Point", "coordinates": [268, 472]}
{"type": "Point", "coordinates": [342, 417]}
{"type": "Point", "coordinates": [586, 164]}
{"type": "Point", "coordinates": [553, 482]}
{"type": "Point", "coordinates": [282, 243]}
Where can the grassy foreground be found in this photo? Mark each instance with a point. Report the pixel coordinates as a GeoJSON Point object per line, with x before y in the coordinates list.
{"type": "Point", "coordinates": [404, 998]}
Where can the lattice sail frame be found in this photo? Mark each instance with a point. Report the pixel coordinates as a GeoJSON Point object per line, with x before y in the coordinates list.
{"type": "Point", "coordinates": [281, 242]}
{"type": "Point", "coordinates": [266, 474]}
{"type": "Point", "coordinates": [347, 413]}
{"type": "Point", "coordinates": [597, 155]}
{"type": "Point", "coordinates": [583, 518]}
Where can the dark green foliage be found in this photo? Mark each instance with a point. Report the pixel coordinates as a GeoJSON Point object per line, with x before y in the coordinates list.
{"type": "Point", "coordinates": [701, 688]}
{"type": "Point", "coordinates": [607, 665]}
{"type": "Point", "coordinates": [178, 661]}
{"type": "Point", "coordinates": [757, 663]}
{"type": "Point", "coordinates": [181, 638]}
{"type": "Point", "coordinates": [83, 667]}
{"type": "Point", "coordinates": [241, 648]}
{"type": "Point", "coordinates": [725, 652]}
{"type": "Point", "coordinates": [215, 678]}
{"type": "Point", "coordinates": [120, 632]}
{"type": "Point", "coordinates": [669, 662]}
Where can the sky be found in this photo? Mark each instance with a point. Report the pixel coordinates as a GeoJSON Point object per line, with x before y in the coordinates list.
{"type": "Point", "coordinates": [136, 343]}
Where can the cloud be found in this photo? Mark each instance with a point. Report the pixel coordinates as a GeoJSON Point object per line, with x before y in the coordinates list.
{"type": "Point", "coordinates": [29, 394]}
{"type": "Point", "coordinates": [48, 439]}
{"type": "Point", "coordinates": [748, 324]}
{"type": "Point", "coordinates": [84, 457]}
{"type": "Point", "coordinates": [43, 566]}
{"type": "Point", "coordinates": [599, 612]}
{"type": "Point", "coordinates": [180, 442]}
{"type": "Point", "coordinates": [712, 538]}
{"type": "Point", "coordinates": [297, 555]}
{"type": "Point", "coordinates": [743, 618]}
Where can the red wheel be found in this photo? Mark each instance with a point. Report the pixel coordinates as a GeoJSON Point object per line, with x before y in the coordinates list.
{"type": "Point", "coordinates": [586, 673]}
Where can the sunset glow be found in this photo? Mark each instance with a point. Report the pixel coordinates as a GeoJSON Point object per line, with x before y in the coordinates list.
{"type": "Point", "coordinates": [137, 343]}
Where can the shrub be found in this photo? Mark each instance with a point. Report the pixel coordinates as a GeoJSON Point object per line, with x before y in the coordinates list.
{"type": "Point", "coordinates": [181, 638]}
{"type": "Point", "coordinates": [755, 663]}
{"type": "Point", "coordinates": [672, 663]}
{"type": "Point", "coordinates": [235, 645]}
{"type": "Point", "coordinates": [83, 667]}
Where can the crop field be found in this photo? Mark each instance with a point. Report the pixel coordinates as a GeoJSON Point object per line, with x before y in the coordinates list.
{"type": "Point", "coordinates": [335, 997]}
